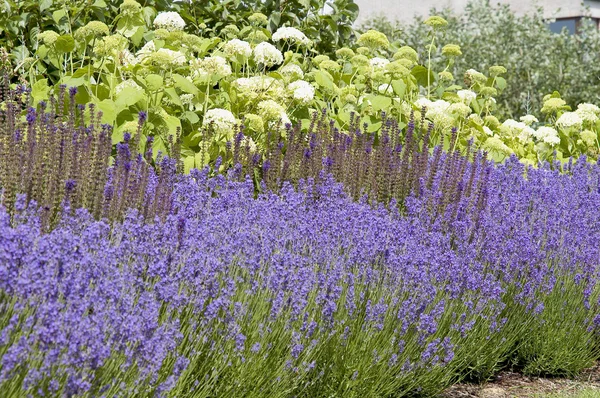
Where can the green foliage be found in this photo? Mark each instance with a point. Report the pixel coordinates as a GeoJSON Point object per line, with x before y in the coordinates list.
{"type": "Point", "coordinates": [538, 61]}
{"type": "Point", "coordinates": [245, 72]}
{"type": "Point", "coordinates": [21, 21]}
{"type": "Point", "coordinates": [329, 30]}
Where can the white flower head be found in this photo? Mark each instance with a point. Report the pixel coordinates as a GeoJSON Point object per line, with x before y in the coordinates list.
{"type": "Point", "coordinates": [208, 66]}
{"type": "Point", "coordinates": [302, 91]}
{"type": "Point", "coordinates": [272, 112]}
{"type": "Point", "coordinates": [145, 51]}
{"type": "Point", "coordinates": [267, 54]}
{"type": "Point", "coordinates": [378, 63]}
{"type": "Point", "coordinates": [547, 135]}
{"type": "Point", "coordinates": [511, 124]}
{"type": "Point", "coordinates": [263, 86]}
{"type": "Point", "coordinates": [385, 88]}
{"type": "Point", "coordinates": [488, 131]}
{"type": "Point", "coordinates": [529, 119]}
{"type": "Point", "coordinates": [176, 58]}
{"type": "Point", "coordinates": [423, 102]}
{"type": "Point", "coordinates": [237, 47]}
{"type": "Point", "coordinates": [569, 119]}
{"type": "Point", "coordinates": [222, 121]}
{"type": "Point", "coordinates": [249, 142]}
{"type": "Point", "coordinates": [519, 130]}
{"type": "Point", "coordinates": [466, 96]}
{"type": "Point", "coordinates": [187, 100]}
{"type": "Point", "coordinates": [292, 35]}
{"type": "Point", "coordinates": [475, 76]}
{"type": "Point", "coordinates": [588, 112]}
{"type": "Point", "coordinates": [127, 58]}
{"type": "Point", "coordinates": [438, 113]}
{"type": "Point", "coordinates": [170, 21]}
{"type": "Point", "coordinates": [460, 109]}
{"type": "Point", "coordinates": [292, 71]}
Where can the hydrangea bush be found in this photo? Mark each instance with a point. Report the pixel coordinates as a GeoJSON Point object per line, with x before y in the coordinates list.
{"type": "Point", "coordinates": [538, 61]}
{"type": "Point", "coordinates": [200, 87]}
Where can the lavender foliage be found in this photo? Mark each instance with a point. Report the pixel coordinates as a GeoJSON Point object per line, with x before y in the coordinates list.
{"type": "Point", "coordinates": [385, 167]}
{"type": "Point", "coordinates": [61, 152]}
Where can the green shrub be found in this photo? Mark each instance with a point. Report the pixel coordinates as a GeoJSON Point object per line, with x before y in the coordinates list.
{"type": "Point", "coordinates": [538, 61]}
{"type": "Point", "coordinates": [205, 87]}
{"type": "Point", "coordinates": [22, 21]}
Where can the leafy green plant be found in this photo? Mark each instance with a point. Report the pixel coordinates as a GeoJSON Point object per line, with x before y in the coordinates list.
{"type": "Point", "coordinates": [208, 85]}
{"type": "Point", "coordinates": [328, 24]}
{"type": "Point", "coordinates": [538, 61]}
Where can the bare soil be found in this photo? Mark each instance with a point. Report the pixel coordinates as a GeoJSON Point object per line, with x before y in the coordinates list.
{"type": "Point", "coordinates": [515, 385]}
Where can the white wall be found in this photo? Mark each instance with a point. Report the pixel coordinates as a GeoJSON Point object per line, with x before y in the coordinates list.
{"type": "Point", "coordinates": [405, 10]}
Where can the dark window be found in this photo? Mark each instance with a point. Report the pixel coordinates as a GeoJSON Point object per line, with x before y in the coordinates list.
{"type": "Point", "coordinates": [569, 23]}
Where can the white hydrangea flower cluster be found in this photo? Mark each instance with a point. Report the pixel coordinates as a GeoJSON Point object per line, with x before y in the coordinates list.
{"type": "Point", "coordinates": [255, 86]}
{"type": "Point", "coordinates": [460, 109]}
{"type": "Point", "coordinates": [222, 121]}
{"type": "Point", "coordinates": [208, 66]}
{"type": "Point", "coordinates": [187, 100]}
{"type": "Point", "coordinates": [249, 142]}
{"type": "Point", "coordinates": [568, 120]}
{"type": "Point", "coordinates": [529, 119]}
{"type": "Point", "coordinates": [129, 83]}
{"type": "Point", "coordinates": [237, 47]}
{"type": "Point", "coordinates": [145, 51]}
{"type": "Point", "coordinates": [466, 96]}
{"type": "Point", "coordinates": [302, 91]}
{"type": "Point", "coordinates": [176, 58]}
{"type": "Point", "coordinates": [496, 144]}
{"type": "Point", "coordinates": [475, 76]}
{"type": "Point", "coordinates": [272, 112]}
{"type": "Point", "coordinates": [291, 35]}
{"type": "Point", "coordinates": [513, 129]}
{"type": "Point", "coordinates": [267, 54]}
{"type": "Point", "coordinates": [127, 58]}
{"type": "Point", "coordinates": [292, 72]}
{"type": "Point", "coordinates": [378, 63]}
{"type": "Point", "coordinates": [170, 21]}
{"type": "Point", "coordinates": [436, 111]}
{"type": "Point", "coordinates": [588, 112]}
{"type": "Point", "coordinates": [547, 135]}
{"type": "Point", "coordinates": [385, 88]}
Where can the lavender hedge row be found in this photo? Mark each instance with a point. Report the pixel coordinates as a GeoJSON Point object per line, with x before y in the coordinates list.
{"type": "Point", "coordinates": [304, 293]}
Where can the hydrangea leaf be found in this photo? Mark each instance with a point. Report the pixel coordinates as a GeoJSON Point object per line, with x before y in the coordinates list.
{"type": "Point", "coordinates": [379, 102]}
{"type": "Point", "coordinates": [39, 91]}
{"type": "Point", "coordinates": [154, 82]}
{"type": "Point", "coordinates": [65, 44]}
{"type": "Point", "coordinates": [184, 84]}
{"type": "Point", "coordinates": [421, 73]}
{"type": "Point", "coordinates": [128, 96]}
{"type": "Point", "coordinates": [500, 83]}
{"type": "Point", "coordinates": [399, 88]}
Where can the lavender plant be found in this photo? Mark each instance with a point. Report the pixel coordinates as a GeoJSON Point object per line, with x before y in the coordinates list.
{"type": "Point", "coordinates": [385, 167]}
{"type": "Point", "coordinates": [304, 293]}
{"type": "Point", "coordinates": [59, 152]}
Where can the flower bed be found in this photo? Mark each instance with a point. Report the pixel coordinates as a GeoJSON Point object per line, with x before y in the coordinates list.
{"type": "Point", "coordinates": [306, 293]}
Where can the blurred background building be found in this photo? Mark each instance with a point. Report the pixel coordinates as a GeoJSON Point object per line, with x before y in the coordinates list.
{"type": "Point", "coordinates": [561, 13]}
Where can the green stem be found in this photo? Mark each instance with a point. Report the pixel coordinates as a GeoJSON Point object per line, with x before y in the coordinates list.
{"type": "Point", "coordinates": [114, 79]}
{"type": "Point", "coordinates": [206, 98]}
{"type": "Point", "coordinates": [99, 76]}
{"type": "Point", "coordinates": [429, 65]}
